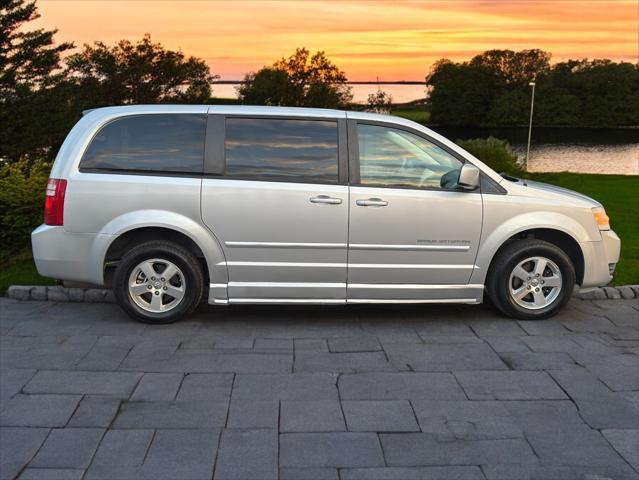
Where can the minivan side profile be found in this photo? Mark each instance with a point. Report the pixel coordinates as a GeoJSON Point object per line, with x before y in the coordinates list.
{"type": "Point", "coordinates": [169, 204]}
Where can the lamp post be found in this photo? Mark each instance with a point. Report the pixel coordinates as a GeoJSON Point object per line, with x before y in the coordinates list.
{"type": "Point", "coordinates": [532, 106]}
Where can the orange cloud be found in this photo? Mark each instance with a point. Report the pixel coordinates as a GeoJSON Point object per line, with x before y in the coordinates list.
{"type": "Point", "coordinates": [389, 39]}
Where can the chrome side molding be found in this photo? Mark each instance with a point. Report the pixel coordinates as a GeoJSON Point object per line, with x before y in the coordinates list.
{"type": "Point", "coordinates": [353, 246]}
{"type": "Point", "coordinates": [432, 248]}
{"type": "Point", "coordinates": [283, 245]}
{"type": "Point", "coordinates": [344, 265]}
{"type": "Point", "coordinates": [418, 286]}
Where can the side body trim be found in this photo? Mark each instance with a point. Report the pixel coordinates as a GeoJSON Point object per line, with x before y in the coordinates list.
{"type": "Point", "coordinates": [283, 245]}
{"type": "Point", "coordinates": [331, 301]}
{"type": "Point", "coordinates": [287, 284]}
{"type": "Point", "coordinates": [434, 300]}
{"type": "Point", "coordinates": [354, 246]}
{"type": "Point", "coordinates": [436, 248]}
{"type": "Point", "coordinates": [342, 265]}
{"type": "Point", "coordinates": [419, 286]}
{"type": "Point", "coordinates": [294, 292]}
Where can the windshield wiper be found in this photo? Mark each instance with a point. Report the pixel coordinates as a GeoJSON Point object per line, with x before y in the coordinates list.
{"type": "Point", "coordinates": [513, 179]}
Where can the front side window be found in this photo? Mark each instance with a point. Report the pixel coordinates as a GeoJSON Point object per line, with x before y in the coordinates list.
{"type": "Point", "coordinates": [390, 157]}
{"type": "Point", "coordinates": [281, 149]}
{"type": "Point", "coordinates": [154, 142]}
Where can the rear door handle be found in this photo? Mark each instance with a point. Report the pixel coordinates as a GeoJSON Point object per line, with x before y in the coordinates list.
{"type": "Point", "coordinates": [372, 202]}
{"type": "Point", "coordinates": [326, 199]}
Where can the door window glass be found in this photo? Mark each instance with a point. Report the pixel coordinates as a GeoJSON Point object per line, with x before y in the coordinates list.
{"type": "Point", "coordinates": [391, 157]}
{"type": "Point", "coordinates": [282, 150]}
{"type": "Point", "coordinates": [154, 142]}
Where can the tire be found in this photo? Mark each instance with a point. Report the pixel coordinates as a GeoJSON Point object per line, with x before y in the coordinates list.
{"type": "Point", "coordinates": [151, 297]}
{"type": "Point", "coordinates": [523, 293]}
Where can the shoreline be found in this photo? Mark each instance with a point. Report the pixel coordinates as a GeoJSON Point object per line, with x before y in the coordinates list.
{"type": "Point", "coordinates": [623, 127]}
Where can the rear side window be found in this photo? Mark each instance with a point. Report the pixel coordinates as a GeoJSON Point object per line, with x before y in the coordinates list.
{"type": "Point", "coordinates": [154, 143]}
{"type": "Point", "coordinates": [281, 149]}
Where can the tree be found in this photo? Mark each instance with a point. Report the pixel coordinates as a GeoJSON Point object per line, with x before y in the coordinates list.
{"type": "Point", "coordinates": [268, 86]}
{"type": "Point", "coordinates": [609, 92]}
{"type": "Point", "coordinates": [492, 89]}
{"type": "Point", "coordinates": [27, 58]}
{"type": "Point", "coordinates": [31, 87]}
{"type": "Point", "coordinates": [460, 94]}
{"type": "Point", "coordinates": [141, 72]}
{"type": "Point", "coordinates": [513, 68]}
{"type": "Point", "coordinates": [379, 102]}
{"type": "Point", "coordinates": [300, 80]}
{"type": "Point", "coordinates": [510, 107]}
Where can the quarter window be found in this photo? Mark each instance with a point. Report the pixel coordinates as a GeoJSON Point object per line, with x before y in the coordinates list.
{"type": "Point", "coordinates": [391, 157]}
{"type": "Point", "coordinates": [156, 142]}
{"type": "Point", "coordinates": [281, 149]}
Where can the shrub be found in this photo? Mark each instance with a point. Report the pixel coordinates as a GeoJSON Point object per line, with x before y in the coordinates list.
{"type": "Point", "coordinates": [379, 102]}
{"type": "Point", "coordinates": [22, 187]}
{"type": "Point", "coordinates": [494, 153]}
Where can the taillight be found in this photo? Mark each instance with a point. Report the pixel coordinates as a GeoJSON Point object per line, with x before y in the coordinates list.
{"type": "Point", "coordinates": [54, 202]}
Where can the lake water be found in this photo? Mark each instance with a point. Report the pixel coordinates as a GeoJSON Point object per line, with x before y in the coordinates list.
{"type": "Point", "coordinates": [581, 150]}
{"type": "Point", "coordinates": [401, 93]}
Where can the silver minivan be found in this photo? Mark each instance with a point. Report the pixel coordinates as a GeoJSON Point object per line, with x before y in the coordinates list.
{"type": "Point", "coordinates": [166, 204]}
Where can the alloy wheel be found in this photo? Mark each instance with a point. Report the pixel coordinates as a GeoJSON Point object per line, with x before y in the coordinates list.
{"type": "Point", "coordinates": [535, 283]}
{"type": "Point", "coordinates": [156, 285]}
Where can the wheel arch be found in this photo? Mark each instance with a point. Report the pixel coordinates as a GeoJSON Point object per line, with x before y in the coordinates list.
{"type": "Point", "coordinates": [559, 238]}
{"type": "Point", "coordinates": [554, 227]}
{"type": "Point", "coordinates": [150, 225]}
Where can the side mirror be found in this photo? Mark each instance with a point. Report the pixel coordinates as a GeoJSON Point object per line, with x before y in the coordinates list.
{"type": "Point", "coordinates": [468, 177]}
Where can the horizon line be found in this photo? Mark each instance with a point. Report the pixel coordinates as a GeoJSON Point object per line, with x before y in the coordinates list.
{"type": "Point", "coordinates": [353, 82]}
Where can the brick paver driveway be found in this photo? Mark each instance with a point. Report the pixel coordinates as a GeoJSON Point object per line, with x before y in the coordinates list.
{"type": "Point", "coordinates": [417, 392]}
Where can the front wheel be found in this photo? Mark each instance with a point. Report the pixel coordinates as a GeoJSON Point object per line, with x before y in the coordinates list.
{"type": "Point", "coordinates": [531, 280]}
{"type": "Point", "coordinates": [158, 282]}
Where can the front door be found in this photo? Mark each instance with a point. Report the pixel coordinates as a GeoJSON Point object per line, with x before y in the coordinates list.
{"type": "Point", "coordinates": [412, 235]}
{"type": "Point", "coordinates": [280, 210]}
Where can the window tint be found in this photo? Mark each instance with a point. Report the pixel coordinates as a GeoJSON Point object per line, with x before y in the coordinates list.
{"type": "Point", "coordinates": [395, 158]}
{"type": "Point", "coordinates": [157, 142]}
{"type": "Point", "coordinates": [295, 150]}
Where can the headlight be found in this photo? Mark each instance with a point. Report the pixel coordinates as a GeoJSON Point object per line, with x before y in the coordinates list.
{"type": "Point", "coordinates": [601, 219]}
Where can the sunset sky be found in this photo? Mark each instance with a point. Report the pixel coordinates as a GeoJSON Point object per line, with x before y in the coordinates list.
{"type": "Point", "coordinates": [392, 40]}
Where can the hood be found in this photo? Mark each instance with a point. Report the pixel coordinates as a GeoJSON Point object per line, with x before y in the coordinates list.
{"type": "Point", "coordinates": [559, 191]}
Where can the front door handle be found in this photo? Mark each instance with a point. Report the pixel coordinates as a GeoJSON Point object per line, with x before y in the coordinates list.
{"type": "Point", "coordinates": [372, 202]}
{"type": "Point", "coordinates": [326, 199]}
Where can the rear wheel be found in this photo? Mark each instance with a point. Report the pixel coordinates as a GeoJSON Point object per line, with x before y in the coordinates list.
{"type": "Point", "coordinates": [158, 282]}
{"type": "Point", "coordinates": [531, 280]}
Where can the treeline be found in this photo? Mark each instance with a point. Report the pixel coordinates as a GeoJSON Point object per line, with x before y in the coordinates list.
{"type": "Point", "coordinates": [44, 86]}
{"type": "Point", "coordinates": [42, 96]}
{"type": "Point", "coordinates": [493, 89]}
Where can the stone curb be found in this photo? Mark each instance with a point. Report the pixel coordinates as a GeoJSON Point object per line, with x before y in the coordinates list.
{"type": "Point", "coordinates": [624, 292]}
{"type": "Point", "coordinates": [98, 295]}
{"type": "Point", "coordinates": [59, 293]}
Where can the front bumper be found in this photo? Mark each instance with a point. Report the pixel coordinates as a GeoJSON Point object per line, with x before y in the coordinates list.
{"type": "Point", "coordinates": [69, 256]}
{"type": "Point", "coordinates": [599, 257]}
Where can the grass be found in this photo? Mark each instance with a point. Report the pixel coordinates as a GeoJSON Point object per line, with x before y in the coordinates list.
{"type": "Point", "coordinates": [618, 193]}
{"type": "Point", "coordinates": [20, 270]}
{"type": "Point", "coordinates": [419, 116]}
